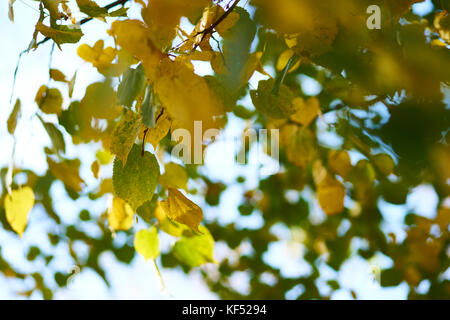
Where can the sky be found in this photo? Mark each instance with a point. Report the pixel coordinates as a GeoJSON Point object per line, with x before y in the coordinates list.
{"type": "Point", "coordinates": [138, 280]}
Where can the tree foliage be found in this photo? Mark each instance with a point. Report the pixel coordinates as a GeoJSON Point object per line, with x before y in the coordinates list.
{"type": "Point", "coordinates": [384, 99]}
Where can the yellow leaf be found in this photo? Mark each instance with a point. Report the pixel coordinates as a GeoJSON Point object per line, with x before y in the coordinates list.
{"type": "Point", "coordinates": [187, 96]}
{"type": "Point", "coordinates": [228, 22]}
{"type": "Point", "coordinates": [18, 205]}
{"type": "Point", "coordinates": [299, 143]}
{"type": "Point", "coordinates": [49, 100]}
{"type": "Point", "coordinates": [331, 194]}
{"type": "Point", "coordinates": [339, 162]}
{"type": "Point", "coordinates": [100, 101]}
{"type": "Point", "coordinates": [120, 215]}
{"type": "Point", "coordinates": [134, 37]}
{"type": "Point", "coordinates": [95, 168]}
{"type": "Point", "coordinates": [156, 134]}
{"type": "Point", "coordinates": [12, 119]}
{"type": "Point", "coordinates": [124, 136]}
{"type": "Point", "coordinates": [385, 163]}
{"type": "Point", "coordinates": [57, 75]}
{"type": "Point", "coordinates": [67, 172]}
{"type": "Point", "coordinates": [306, 111]}
{"type": "Point", "coordinates": [174, 176]}
{"type": "Point", "coordinates": [180, 209]}
{"type": "Point", "coordinates": [284, 58]}
{"type": "Point", "coordinates": [167, 225]}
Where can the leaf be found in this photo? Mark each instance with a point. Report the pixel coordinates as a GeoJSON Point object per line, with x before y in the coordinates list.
{"type": "Point", "coordinates": [306, 111]}
{"type": "Point", "coordinates": [124, 136]}
{"type": "Point", "coordinates": [10, 10]}
{"type": "Point", "coordinates": [61, 33]}
{"type": "Point", "coordinates": [186, 96]}
{"type": "Point", "coordinates": [299, 143]}
{"type": "Point", "coordinates": [55, 135]}
{"type": "Point", "coordinates": [196, 250]}
{"type": "Point", "coordinates": [53, 8]}
{"type": "Point", "coordinates": [18, 205]}
{"type": "Point", "coordinates": [331, 194]}
{"type": "Point", "coordinates": [174, 176]}
{"type": "Point", "coordinates": [136, 181]}
{"type": "Point", "coordinates": [275, 106]}
{"type": "Point", "coordinates": [12, 119]}
{"type": "Point", "coordinates": [49, 100]}
{"type": "Point", "coordinates": [104, 157]}
{"type": "Point", "coordinates": [146, 243]}
{"type": "Point", "coordinates": [67, 172]}
{"type": "Point", "coordinates": [132, 84]}
{"type": "Point", "coordinates": [167, 225]}
{"type": "Point", "coordinates": [95, 168]}
{"type": "Point", "coordinates": [385, 163]}
{"type": "Point", "coordinates": [134, 37]}
{"type": "Point", "coordinates": [180, 209]}
{"type": "Point", "coordinates": [71, 84]}
{"type": "Point", "coordinates": [100, 101]}
{"type": "Point", "coordinates": [339, 162]}
{"type": "Point", "coordinates": [148, 109]}
{"type": "Point", "coordinates": [162, 127]}
{"type": "Point", "coordinates": [57, 75]}
{"type": "Point", "coordinates": [120, 215]}
{"type": "Point", "coordinates": [92, 9]}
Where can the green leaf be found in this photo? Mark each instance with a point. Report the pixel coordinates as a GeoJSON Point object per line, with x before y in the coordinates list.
{"type": "Point", "coordinates": [196, 250]}
{"type": "Point", "coordinates": [132, 84]}
{"type": "Point", "coordinates": [12, 119]}
{"type": "Point", "coordinates": [136, 181]}
{"type": "Point", "coordinates": [148, 109]}
{"type": "Point", "coordinates": [92, 9]}
{"type": "Point", "coordinates": [146, 243]}
{"type": "Point", "coordinates": [55, 135]}
{"type": "Point", "coordinates": [61, 33]}
{"type": "Point", "coordinates": [124, 135]}
{"type": "Point", "coordinates": [273, 105]}
{"type": "Point", "coordinates": [175, 176]}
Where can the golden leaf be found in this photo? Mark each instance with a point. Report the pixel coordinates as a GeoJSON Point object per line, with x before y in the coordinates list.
{"type": "Point", "coordinates": [120, 215]}
{"type": "Point", "coordinates": [306, 111]}
{"type": "Point", "coordinates": [180, 209]}
{"type": "Point", "coordinates": [18, 205]}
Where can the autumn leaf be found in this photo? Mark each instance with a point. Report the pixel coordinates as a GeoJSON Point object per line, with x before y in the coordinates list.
{"type": "Point", "coordinates": [146, 243]}
{"type": "Point", "coordinates": [305, 111]}
{"type": "Point", "coordinates": [196, 250]}
{"type": "Point", "coordinates": [12, 119]}
{"type": "Point", "coordinates": [61, 33]}
{"type": "Point", "coordinates": [174, 177]}
{"type": "Point", "coordinates": [67, 172]}
{"type": "Point", "coordinates": [120, 215]}
{"type": "Point", "coordinates": [18, 205]}
{"type": "Point", "coordinates": [100, 101]}
{"type": "Point", "coordinates": [340, 162]}
{"type": "Point", "coordinates": [124, 136]}
{"type": "Point", "coordinates": [136, 181]}
{"type": "Point", "coordinates": [299, 144]}
{"type": "Point", "coordinates": [49, 100]}
{"type": "Point", "coordinates": [132, 84]}
{"type": "Point", "coordinates": [182, 210]}
{"type": "Point", "coordinates": [273, 105]}
{"type": "Point", "coordinates": [186, 96]}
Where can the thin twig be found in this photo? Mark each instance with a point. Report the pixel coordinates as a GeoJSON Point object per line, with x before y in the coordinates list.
{"type": "Point", "coordinates": [211, 28]}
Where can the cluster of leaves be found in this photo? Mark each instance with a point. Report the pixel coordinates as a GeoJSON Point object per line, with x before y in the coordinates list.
{"type": "Point", "coordinates": [150, 88]}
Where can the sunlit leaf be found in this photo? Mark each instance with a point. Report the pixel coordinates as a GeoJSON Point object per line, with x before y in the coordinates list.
{"type": "Point", "coordinates": [146, 243]}
{"type": "Point", "coordinates": [18, 205]}
{"type": "Point", "coordinates": [136, 181]}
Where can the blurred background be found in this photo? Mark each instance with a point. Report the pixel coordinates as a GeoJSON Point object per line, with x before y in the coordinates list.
{"type": "Point", "coordinates": [138, 280]}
